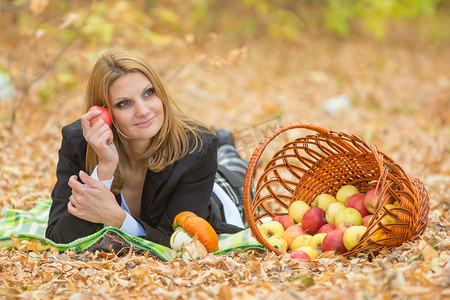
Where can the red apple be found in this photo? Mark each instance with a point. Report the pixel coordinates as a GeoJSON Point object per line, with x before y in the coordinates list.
{"type": "Point", "coordinates": [326, 228]}
{"type": "Point", "coordinates": [343, 226]}
{"type": "Point", "coordinates": [313, 219]}
{"type": "Point", "coordinates": [292, 233]}
{"type": "Point", "coordinates": [334, 241]}
{"type": "Point", "coordinates": [285, 220]}
{"type": "Point", "coordinates": [104, 115]}
{"type": "Point", "coordinates": [366, 220]}
{"type": "Point", "coordinates": [356, 201]}
{"type": "Point", "coordinates": [299, 254]}
{"type": "Point", "coordinates": [371, 199]}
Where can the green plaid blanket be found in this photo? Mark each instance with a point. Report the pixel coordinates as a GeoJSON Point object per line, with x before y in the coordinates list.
{"type": "Point", "coordinates": [31, 224]}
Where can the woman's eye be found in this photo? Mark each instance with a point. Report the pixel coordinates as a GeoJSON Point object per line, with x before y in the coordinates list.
{"type": "Point", "coordinates": [149, 92]}
{"type": "Point", "coordinates": [123, 103]}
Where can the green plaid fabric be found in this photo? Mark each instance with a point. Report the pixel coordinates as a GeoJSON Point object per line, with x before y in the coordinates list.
{"type": "Point", "coordinates": [31, 224]}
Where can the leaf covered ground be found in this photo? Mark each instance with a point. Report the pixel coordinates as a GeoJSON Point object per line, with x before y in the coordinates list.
{"type": "Point", "coordinates": [399, 93]}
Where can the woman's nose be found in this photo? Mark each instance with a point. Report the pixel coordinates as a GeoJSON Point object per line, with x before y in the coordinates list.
{"type": "Point", "coordinates": [141, 109]}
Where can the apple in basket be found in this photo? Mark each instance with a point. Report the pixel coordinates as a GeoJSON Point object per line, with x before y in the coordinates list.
{"type": "Point", "coordinates": [292, 233]}
{"type": "Point", "coordinates": [326, 228]}
{"type": "Point", "coordinates": [271, 228]}
{"type": "Point", "coordinates": [356, 201]}
{"type": "Point", "coordinates": [334, 241]}
{"type": "Point", "coordinates": [104, 115]}
{"type": "Point", "coordinates": [346, 192]}
{"type": "Point", "coordinates": [332, 210]}
{"type": "Point", "coordinates": [301, 240]}
{"type": "Point", "coordinates": [279, 242]}
{"type": "Point", "coordinates": [285, 220]}
{"type": "Point", "coordinates": [317, 241]}
{"type": "Point", "coordinates": [313, 219]}
{"type": "Point", "coordinates": [352, 236]}
{"type": "Point", "coordinates": [297, 209]}
{"type": "Point", "coordinates": [323, 201]}
{"type": "Point", "coordinates": [299, 254]}
{"type": "Point", "coordinates": [349, 215]}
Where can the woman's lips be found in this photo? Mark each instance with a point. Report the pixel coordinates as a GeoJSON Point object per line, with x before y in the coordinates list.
{"type": "Point", "coordinates": [145, 123]}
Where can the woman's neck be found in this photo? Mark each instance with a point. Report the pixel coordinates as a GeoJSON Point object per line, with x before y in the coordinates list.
{"type": "Point", "coordinates": [134, 150]}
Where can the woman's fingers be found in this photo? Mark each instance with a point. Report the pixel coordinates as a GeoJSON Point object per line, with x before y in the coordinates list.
{"type": "Point", "coordinates": [86, 119]}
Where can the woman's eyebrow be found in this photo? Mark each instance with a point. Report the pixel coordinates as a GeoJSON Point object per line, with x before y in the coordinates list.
{"type": "Point", "coordinates": [150, 85]}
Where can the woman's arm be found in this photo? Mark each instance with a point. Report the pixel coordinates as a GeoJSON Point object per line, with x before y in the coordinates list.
{"type": "Point", "coordinates": [63, 227]}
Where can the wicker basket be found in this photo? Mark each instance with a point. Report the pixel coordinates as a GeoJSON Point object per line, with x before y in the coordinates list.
{"type": "Point", "coordinates": [324, 161]}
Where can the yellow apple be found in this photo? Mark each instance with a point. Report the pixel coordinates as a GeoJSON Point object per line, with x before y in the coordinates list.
{"type": "Point", "coordinates": [349, 215]}
{"type": "Point", "coordinates": [275, 240]}
{"type": "Point", "coordinates": [352, 236]}
{"type": "Point", "coordinates": [323, 201]}
{"type": "Point", "coordinates": [301, 240]}
{"type": "Point", "coordinates": [317, 240]}
{"type": "Point", "coordinates": [271, 228]}
{"type": "Point", "coordinates": [313, 253]}
{"type": "Point", "coordinates": [346, 192]}
{"type": "Point", "coordinates": [297, 209]}
{"type": "Point", "coordinates": [332, 210]}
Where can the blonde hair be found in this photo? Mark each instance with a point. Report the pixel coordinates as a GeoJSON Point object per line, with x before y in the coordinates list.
{"type": "Point", "coordinates": [173, 140]}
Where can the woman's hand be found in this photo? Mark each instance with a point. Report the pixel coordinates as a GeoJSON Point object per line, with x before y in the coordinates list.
{"type": "Point", "coordinates": [100, 137]}
{"type": "Point", "coordinates": [93, 202]}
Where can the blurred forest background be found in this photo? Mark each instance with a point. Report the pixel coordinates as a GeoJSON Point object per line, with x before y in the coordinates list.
{"type": "Point", "coordinates": [379, 69]}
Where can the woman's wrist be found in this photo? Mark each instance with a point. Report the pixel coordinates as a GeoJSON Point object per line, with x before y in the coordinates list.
{"type": "Point", "coordinates": [106, 171]}
{"type": "Point", "coordinates": [117, 219]}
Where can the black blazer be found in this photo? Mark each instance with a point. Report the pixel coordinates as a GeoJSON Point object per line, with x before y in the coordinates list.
{"type": "Point", "coordinates": [185, 185]}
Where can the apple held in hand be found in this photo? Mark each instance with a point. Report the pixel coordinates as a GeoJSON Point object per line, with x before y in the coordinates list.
{"type": "Point", "coordinates": [352, 236]}
{"type": "Point", "coordinates": [285, 220]}
{"type": "Point", "coordinates": [346, 192]}
{"type": "Point", "coordinates": [297, 209]}
{"type": "Point", "coordinates": [313, 219]}
{"type": "Point", "coordinates": [271, 228]}
{"type": "Point", "coordinates": [105, 116]}
{"type": "Point", "coordinates": [334, 241]}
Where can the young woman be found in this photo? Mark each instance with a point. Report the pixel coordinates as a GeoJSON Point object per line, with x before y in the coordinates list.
{"type": "Point", "coordinates": [151, 164]}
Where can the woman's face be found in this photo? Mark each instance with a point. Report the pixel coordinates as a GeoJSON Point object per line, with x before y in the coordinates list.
{"type": "Point", "coordinates": [137, 110]}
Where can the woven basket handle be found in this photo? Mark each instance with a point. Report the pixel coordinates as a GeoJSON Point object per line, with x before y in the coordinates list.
{"type": "Point", "coordinates": [272, 135]}
{"type": "Point", "coordinates": [257, 154]}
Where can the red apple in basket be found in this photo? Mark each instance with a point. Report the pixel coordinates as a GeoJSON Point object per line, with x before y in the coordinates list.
{"type": "Point", "coordinates": [371, 199]}
{"type": "Point", "coordinates": [326, 228]}
{"type": "Point", "coordinates": [292, 233]}
{"type": "Point", "coordinates": [356, 201]}
{"type": "Point", "coordinates": [285, 220]}
{"type": "Point", "coordinates": [313, 219]}
{"type": "Point", "coordinates": [299, 254]}
{"type": "Point", "coordinates": [104, 115]}
{"type": "Point", "coordinates": [334, 241]}
{"type": "Point", "coordinates": [366, 220]}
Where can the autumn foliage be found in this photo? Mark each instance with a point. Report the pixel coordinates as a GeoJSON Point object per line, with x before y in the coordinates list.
{"type": "Point", "coordinates": [247, 66]}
